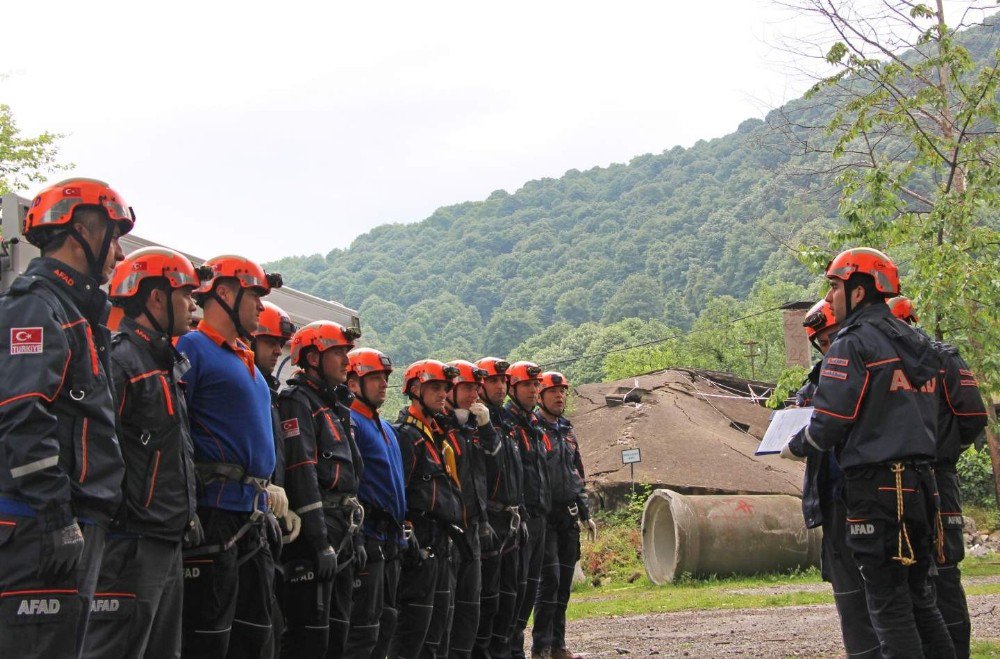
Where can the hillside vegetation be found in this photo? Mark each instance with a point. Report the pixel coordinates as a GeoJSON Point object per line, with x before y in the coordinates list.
{"type": "Point", "coordinates": [687, 239]}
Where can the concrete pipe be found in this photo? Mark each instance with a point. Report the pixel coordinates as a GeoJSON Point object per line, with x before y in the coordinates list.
{"type": "Point", "coordinates": [724, 534]}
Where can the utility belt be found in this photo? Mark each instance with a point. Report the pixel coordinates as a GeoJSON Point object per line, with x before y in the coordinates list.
{"type": "Point", "coordinates": [511, 540]}
{"type": "Point", "coordinates": [345, 504]}
{"type": "Point", "coordinates": [382, 522]}
{"type": "Point", "coordinates": [226, 472]}
{"type": "Point", "coordinates": [919, 465]}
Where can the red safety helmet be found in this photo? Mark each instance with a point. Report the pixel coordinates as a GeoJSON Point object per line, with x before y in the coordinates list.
{"type": "Point", "coordinates": [468, 372]}
{"type": "Point", "coordinates": [818, 318]}
{"type": "Point", "coordinates": [53, 207]}
{"type": "Point", "coordinates": [428, 370]}
{"type": "Point", "coordinates": [523, 372]}
{"type": "Point", "coordinates": [249, 274]}
{"type": "Point", "coordinates": [493, 366]}
{"type": "Point", "coordinates": [866, 261]}
{"type": "Point", "coordinates": [368, 360]}
{"type": "Point", "coordinates": [154, 262]}
{"type": "Point", "coordinates": [322, 335]}
{"type": "Point", "coordinates": [554, 379]}
{"type": "Point", "coordinates": [902, 308]}
{"type": "Point", "coordinates": [273, 321]}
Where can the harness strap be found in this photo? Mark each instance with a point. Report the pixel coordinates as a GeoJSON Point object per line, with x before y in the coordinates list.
{"type": "Point", "coordinates": [904, 534]}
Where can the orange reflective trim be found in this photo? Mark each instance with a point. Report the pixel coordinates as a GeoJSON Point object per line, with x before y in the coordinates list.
{"type": "Point", "coordinates": [143, 376]}
{"type": "Point", "coordinates": [884, 361]}
{"type": "Point", "coordinates": [39, 394]}
{"type": "Point", "coordinates": [83, 470]}
{"type": "Point", "coordinates": [857, 407]}
{"type": "Point", "coordinates": [300, 464]}
{"type": "Point", "coordinates": [93, 351]}
{"type": "Point", "coordinates": [336, 478]}
{"type": "Point", "coordinates": [152, 484]}
{"type": "Point", "coordinates": [166, 395]}
{"type": "Point", "coordinates": [74, 323]}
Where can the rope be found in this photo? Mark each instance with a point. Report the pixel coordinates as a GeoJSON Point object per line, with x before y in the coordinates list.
{"type": "Point", "coordinates": [904, 534]}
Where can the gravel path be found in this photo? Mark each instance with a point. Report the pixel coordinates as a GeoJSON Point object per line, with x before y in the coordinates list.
{"type": "Point", "coordinates": [795, 631]}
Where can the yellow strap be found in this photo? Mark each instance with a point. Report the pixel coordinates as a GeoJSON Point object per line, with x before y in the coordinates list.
{"type": "Point", "coordinates": [904, 534]}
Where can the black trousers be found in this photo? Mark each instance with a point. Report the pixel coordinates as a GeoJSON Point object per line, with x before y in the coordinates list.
{"type": "Point", "coordinates": [318, 613]}
{"type": "Point", "coordinates": [498, 598]}
{"type": "Point", "coordinates": [949, 552]}
{"type": "Point", "coordinates": [137, 606]}
{"type": "Point", "coordinates": [467, 590]}
{"type": "Point", "coordinates": [227, 594]}
{"type": "Point", "coordinates": [418, 584]}
{"type": "Point", "coordinates": [390, 609]}
{"type": "Point", "coordinates": [367, 602]}
{"type": "Point", "coordinates": [436, 641]}
{"type": "Point", "coordinates": [890, 516]}
{"type": "Point", "coordinates": [562, 551]}
{"type": "Point", "coordinates": [532, 555]}
{"type": "Point", "coordinates": [838, 567]}
{"type": "Point", "coordinates": [44, 617]}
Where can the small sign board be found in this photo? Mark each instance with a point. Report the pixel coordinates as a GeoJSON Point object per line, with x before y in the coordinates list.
{"type": "Point", "coordinates": [784, 424]}
{"type": "Point", "coordinates": [631, 456]}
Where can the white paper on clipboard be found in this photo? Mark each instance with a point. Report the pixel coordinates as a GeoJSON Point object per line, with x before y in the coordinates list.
{"type": "Point", "coordinates": [784, 424]}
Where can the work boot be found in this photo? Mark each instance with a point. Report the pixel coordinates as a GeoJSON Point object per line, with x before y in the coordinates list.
{"type": "Point", "coordinates": [563, 653]}
{"type": "Point", "coordinates": [544, 653]}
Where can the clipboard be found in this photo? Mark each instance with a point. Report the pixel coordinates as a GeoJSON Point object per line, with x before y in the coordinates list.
{"type": "Point", "coordinates": [784, 424]}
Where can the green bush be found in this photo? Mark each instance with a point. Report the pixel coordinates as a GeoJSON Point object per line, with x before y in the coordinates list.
{"type": "Point", "coordinates": [976, 475]}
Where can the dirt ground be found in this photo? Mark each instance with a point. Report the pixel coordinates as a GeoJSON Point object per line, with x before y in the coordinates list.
{"type": "Point", "coordinates": [795, 631]}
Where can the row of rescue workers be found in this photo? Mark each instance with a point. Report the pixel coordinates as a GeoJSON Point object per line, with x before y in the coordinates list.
{"type": "Point", "coordinates": [160, 497]}
{"type": "Point", "coordinates": [892, 412]}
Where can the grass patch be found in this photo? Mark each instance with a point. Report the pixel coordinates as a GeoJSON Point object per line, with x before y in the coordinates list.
{"type": "Point", "coordinates": [640, 597]}
{"type": "Point", "coordinates": [985, 649]}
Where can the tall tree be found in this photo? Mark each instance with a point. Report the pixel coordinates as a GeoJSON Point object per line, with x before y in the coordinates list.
{"type": "Point", "coordinates": [916, 145]}
{"type": "Point", "coordinates": [24, 161]}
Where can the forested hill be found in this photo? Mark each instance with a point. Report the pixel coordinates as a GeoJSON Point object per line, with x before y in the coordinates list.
{"type": "Point", "coordinates": [656, 239]}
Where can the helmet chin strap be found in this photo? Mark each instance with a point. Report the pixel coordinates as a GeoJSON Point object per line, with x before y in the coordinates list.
{"type": "Point", "coordinates": [95, 264]}
{"type": "Point", "coordinates": [233, 312]}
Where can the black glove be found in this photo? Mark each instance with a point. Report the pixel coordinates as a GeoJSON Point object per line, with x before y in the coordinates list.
{"type": "Point", "coordinates": [360, 556]}
{"type": "Point", "coordinates": [487, 537]}
{"type": "Point", "coordinates": [525, 536]}
{"type": "Point", "coordinates": [61, 551]}
{"type": "Point", "coordinates": [326, 564]}
{"type": "Point", "coordinates": [194, 536]}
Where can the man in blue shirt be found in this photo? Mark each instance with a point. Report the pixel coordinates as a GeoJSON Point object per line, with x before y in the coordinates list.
{"type": "Point", "coordinates": [228, 579]}
{"type": "Point", "coordinates": [383, 493]}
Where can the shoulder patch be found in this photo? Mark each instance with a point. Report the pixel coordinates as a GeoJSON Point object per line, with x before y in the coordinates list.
{"type": "Point", "coordinates": [26, 340]}
{"type": "Point", "coordinates": [830, 373]}
{"type": "Point", "coordinates": [290, 428]}
{"type": "Point", "coordinates": [837, 361]}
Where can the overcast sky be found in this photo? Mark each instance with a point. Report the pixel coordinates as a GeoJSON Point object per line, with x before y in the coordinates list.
{"type": "Point", "coordinates": [272, 129]}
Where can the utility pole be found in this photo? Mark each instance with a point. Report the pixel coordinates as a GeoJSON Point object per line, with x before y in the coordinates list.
{"type": "Point", "coordinates": [752, 353]}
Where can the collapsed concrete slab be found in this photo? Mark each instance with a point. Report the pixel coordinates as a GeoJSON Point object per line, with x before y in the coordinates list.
{"type": "Point", "coordinates": [697, 432]}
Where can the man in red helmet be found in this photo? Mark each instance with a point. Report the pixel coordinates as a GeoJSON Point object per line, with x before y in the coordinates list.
{"type": "Point", "coordinates": [498, 597]}
{"type": "Point", "coordinates": [569, 513]}
{"type": "Point", "coordinates": [961, 420]}
{"type": "Point", "coordinates": [382, 492]}
{"type": "Point", "coordinates": [138, 600]}
{"type": "Point", "coordinates": [61, 466]}
{"type": "Point", "coordinates": [525, 383]}
{"type": "Point", "coordinates": [228, 579]}
{"type": "Point", "coordinates": [433, 508]}
{"type": "Point", "coordinates": [322, 470]}
{"type": "Point", "coordinates": [822, 505]}
{"type": "Point", "coordinates": [274, 330]}
{"type": "Point", "coordinates": [876, 406]}
{"type": "Point", "coordinates": [473, 439]}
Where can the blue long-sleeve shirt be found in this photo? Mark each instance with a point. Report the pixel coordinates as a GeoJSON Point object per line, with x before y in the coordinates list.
{"type": "Point", "coordinates": [382, 487]}
{"type": "Point", "coordinates": [229, 404]}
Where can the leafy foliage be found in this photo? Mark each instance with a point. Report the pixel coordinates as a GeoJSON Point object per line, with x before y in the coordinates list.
{"type": "Point", "coordinates": [24, 160]}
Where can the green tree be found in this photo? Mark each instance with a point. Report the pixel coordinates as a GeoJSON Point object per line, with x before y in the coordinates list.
{"type": "Point", "coordinates": [915, 138]}
{"type": "Point", "coordinates": [24, 161]}
{"type": "Point", "coordinates": [639, 296]}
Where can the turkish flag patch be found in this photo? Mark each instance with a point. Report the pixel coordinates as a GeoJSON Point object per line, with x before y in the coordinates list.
{"type": "Point", "coordinates": [25, 340]}
{"type": "Point", "coordinates": [290, 428]}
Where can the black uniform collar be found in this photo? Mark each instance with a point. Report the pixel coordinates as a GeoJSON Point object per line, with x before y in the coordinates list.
{"type": "Point", "coordinates": [82, 289]}
{"type": "Point", "coordinates": [331, 394]}
{"type": "Point", "coordinates": [159, 343]}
